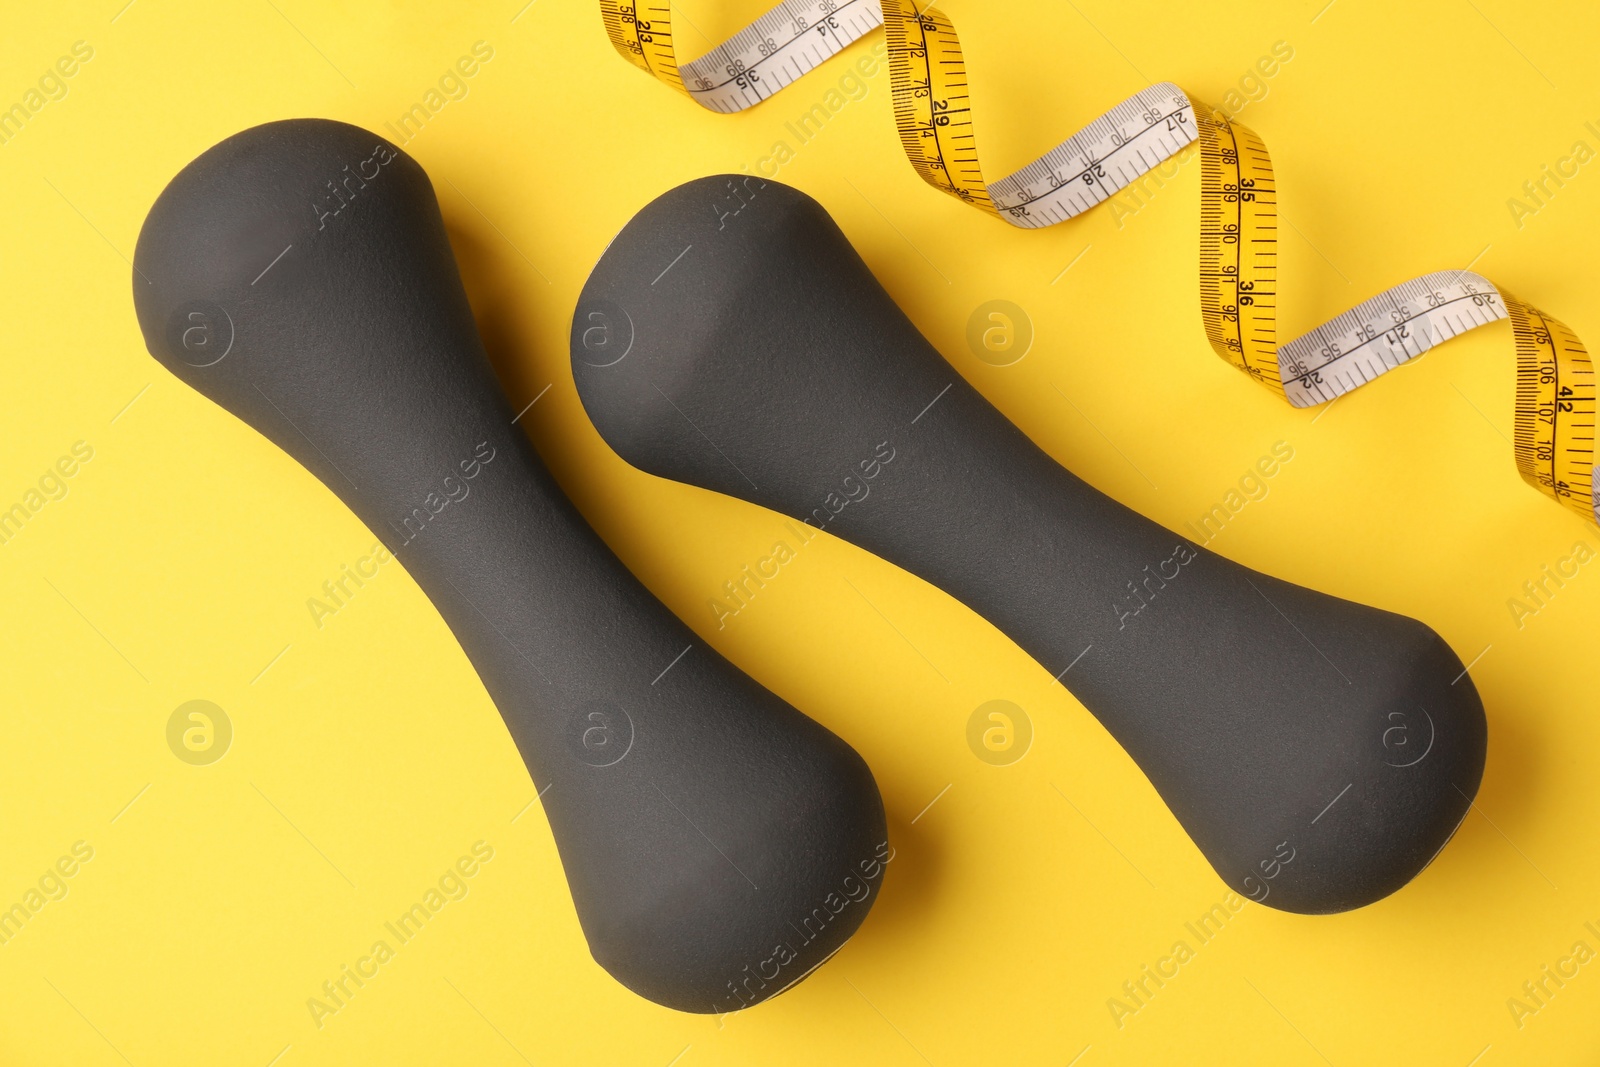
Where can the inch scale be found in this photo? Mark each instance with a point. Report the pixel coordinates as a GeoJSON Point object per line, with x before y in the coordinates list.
{"type": "Point", "coordinates": [1239, 249]}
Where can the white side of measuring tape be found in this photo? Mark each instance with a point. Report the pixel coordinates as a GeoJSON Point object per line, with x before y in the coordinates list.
{"type": "Point", "coordinates": [776, 50]}
{"type": "Point", "coordinates": [1386, 331]}
{"type": "Point", "coordinates": [1105, 157]}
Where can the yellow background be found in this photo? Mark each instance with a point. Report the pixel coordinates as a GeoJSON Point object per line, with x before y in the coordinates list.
{"type": "Point", "coordinates": [366, 756]}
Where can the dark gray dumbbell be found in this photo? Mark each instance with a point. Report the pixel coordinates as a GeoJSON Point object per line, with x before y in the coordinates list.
{"type": "Point", "coordinates": [1320, 753]}
{"type": "Point", "coordinates": [718, 843]}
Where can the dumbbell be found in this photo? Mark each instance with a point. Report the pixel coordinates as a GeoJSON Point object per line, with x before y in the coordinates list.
{"type": "Point", "coordinates": [718, 844]}
{"type": "Point", "coordinates": [1319, 753]}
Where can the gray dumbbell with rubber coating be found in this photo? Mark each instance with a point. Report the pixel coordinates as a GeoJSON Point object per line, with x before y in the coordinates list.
{"type": "Point", "coordinates": [1320, 753]}
{"type": "Point", "coordinates": [299, 275]}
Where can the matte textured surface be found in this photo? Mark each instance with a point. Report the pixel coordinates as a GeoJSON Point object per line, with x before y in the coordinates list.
{"type": "Point", "coordinates": [1319, 752]}
{"type": "Point", "coordinates": [718, 843]}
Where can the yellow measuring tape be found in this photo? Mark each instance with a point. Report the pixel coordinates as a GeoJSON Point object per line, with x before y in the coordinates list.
{"type": "Point", "coordinates": [1555, 404]}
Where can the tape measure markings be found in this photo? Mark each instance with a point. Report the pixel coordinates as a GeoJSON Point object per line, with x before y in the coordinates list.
{"type": "Point", "coordinates": [1238, 247]}
{"type": "Point", "coordinates": [1379, 334]}
{"type": "Point", "coordinates": [945, 124]}
{"type": "Point", "coordinates": [1161, 117]}
{"type": "Point", "coordinates": [817, 23]}
{"type": "Point", "coordinates": [1554, 454]}
{"type": "Point", "coordinates": [1555, 405]}
{"type": "Point", "coordinates": [770, 54]}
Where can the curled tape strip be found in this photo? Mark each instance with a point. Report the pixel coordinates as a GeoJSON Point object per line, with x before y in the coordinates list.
{"type": "Point", "coordinates": [1555, 402]}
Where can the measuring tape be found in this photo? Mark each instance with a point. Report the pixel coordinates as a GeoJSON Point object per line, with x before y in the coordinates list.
{"type": "Point", "coordinates": [1555, 404]}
